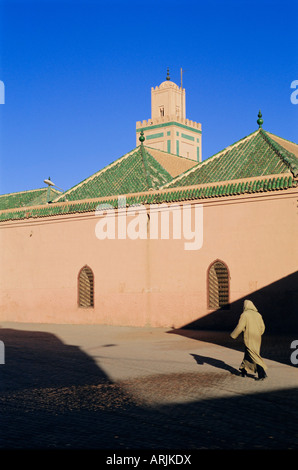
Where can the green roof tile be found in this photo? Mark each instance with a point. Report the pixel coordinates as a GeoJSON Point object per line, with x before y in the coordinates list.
{"type": "Point", "coordinates": [134, 172]}
{"type": "Point", "coordinates": [33, 197]}
{"type": "Point", "coordinates": [209, 191]}
{"type": "Point", "coordinates": [268, 165]}
{"type": "Point", "coordinates": [255, 155]}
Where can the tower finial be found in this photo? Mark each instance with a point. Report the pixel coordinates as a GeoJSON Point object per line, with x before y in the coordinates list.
{"type": "Point", "coordinates": [260, 120]}
{"type": "Point", "coordinates": [168, 74]}
{"type": "Point", "coordinates": [142, 137]}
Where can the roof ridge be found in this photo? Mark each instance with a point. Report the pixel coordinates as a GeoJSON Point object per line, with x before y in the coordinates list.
{"type": "Point", "coordinates": [212, 157]}
{"type": "Point", "coordinates": [137, 169]}
{"type": "Point", "coordinates": [27, 197]}
{"type": "Point", "coordinates": [161, 168]}
{"type": "Point", "coordinates": [282, 138]}
{"type": "Point", "coordinates": [285, 155]}
{"type": "Point", "coordinates": [145, 165]}
{"type": "Point", "coordinates": [25, 191]}
{"type": "Point", "coordinates": [89, 178]}
{"type": "Point", "coordinates": [238, 142]}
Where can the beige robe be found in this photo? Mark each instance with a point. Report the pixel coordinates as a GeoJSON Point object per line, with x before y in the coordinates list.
{"type": "Point", "coordinates": [252, 325]}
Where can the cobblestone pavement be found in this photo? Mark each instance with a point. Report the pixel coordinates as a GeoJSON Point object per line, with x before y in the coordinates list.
{"type": "Point", "coordinates": [107, 387]}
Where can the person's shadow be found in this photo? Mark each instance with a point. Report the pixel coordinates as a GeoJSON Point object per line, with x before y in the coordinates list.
{"type": "Point", "coordinates": [215, 363]}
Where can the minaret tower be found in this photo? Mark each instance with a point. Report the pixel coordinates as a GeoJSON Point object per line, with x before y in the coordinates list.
{"type": "Point", "coordinates": [168, 129]}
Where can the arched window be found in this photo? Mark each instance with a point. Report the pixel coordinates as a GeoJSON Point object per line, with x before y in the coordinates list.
{"type": "Point", "coordinates": [86, 287]}
{"type": "Point", "coordinates": [218, 285]}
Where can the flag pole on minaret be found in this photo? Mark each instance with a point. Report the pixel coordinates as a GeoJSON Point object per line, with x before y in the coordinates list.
{"type": "Point", "coordinates": [181, 93]}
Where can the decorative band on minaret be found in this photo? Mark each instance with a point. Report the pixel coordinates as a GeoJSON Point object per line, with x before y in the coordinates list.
{"type": "Point", "coordinates": [168, 129]}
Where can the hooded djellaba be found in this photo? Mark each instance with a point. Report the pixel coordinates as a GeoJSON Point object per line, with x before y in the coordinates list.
{"type": "Point", "coordinates": [252, 325]}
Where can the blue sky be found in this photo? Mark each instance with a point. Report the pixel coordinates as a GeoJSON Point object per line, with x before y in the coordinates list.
{"type": "Point", "coordinates": [78, 75]}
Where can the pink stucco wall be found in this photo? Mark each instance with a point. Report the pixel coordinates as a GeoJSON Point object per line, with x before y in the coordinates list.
{"type": "Point", "coordinates": [144, 282]}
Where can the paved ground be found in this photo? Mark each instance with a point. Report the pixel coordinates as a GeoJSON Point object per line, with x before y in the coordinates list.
{"type": "Point", "coordinates": [105, 387]}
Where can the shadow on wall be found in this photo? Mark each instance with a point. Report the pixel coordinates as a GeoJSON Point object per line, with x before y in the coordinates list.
{"type": "Point", "coordinates": [277, 304]}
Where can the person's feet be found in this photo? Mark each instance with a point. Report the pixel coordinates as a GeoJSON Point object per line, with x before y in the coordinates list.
{"type": "Point", "coordinates": [243, 372]}
{"type": "Point", "coordinates": [262, 377]}
{"type": "Point", "coordinates": [261, 373]}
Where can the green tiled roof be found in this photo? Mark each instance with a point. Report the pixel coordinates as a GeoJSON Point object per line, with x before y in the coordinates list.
{"type": "Point", "coordinates": [134, 172]}
{"type": "Point", "coordinates": [33, 197]}
{"type": "Point", "coordinates": [256, 164]}
{"type": "Point", "coordinates": [200, 192]}
{"type": "Point", "coordinates": [255, 155]}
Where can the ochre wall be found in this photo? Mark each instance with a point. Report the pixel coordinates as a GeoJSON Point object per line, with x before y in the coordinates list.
{"type": "Point", "coordinates": [145, 282]}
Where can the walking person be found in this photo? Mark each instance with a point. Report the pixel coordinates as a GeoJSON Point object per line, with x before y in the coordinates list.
{"type": "Point", "coordinates": [252, 325]}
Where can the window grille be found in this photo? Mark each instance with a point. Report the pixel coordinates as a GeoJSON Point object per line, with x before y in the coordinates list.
{"type": "Point", "coordinates": [86, 288]}
{"type": "Point", "coordinates": [218, 283]}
